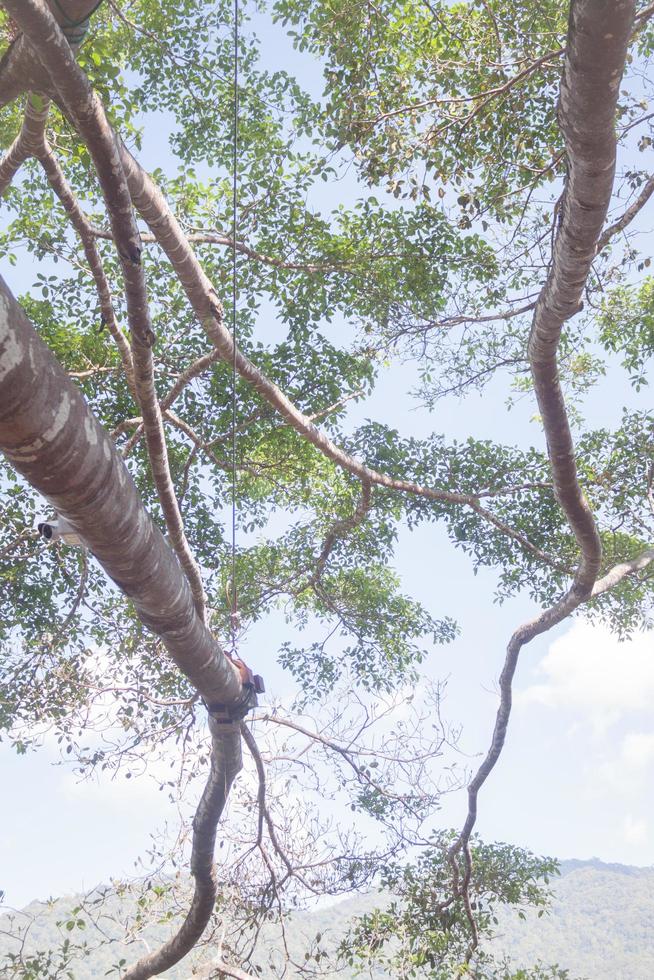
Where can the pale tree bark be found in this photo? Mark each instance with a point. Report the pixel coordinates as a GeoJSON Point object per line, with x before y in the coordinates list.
{"type": "Point", "coordinates": [49, 434]}
{"type": "Point", "coordinates": [20, 71]}
{"type": "Point", "coordinates": [28, 141]}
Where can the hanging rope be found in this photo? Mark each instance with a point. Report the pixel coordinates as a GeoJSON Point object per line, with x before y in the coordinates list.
{"type": "Point", "coordinates": [234, 594]}
{"type": "Point", "coordinates": [252, 683]}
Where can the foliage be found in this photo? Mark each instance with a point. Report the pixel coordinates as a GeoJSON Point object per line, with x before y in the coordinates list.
{"type": "Point", "coordinates": [424, 932]}
{"type": "Point", "coordinates": [396, 206]}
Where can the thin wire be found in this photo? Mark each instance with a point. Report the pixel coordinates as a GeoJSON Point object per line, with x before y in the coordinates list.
{"type": "Point", "coordinates": [234, 596]}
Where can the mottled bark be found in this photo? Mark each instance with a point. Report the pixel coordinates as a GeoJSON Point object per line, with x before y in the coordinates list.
{"type": "Point", "coordinates": [49, 434]}
{"type": "Point", "coordinates": [226, 762]}
{"type": "Point", "coordinates": [597, 46]}
{"type": "Point", "coordinates": [20, 71]}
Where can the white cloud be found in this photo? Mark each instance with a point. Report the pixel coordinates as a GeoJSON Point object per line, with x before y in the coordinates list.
{"type": "Point", "coordinates": [589, 671]}
{"type": "Point", "coordinates": [624, 772]}
{"type": "Point", "coordinates": [638, 750]}
{"type": "Point", "coordinates": [634, 830]}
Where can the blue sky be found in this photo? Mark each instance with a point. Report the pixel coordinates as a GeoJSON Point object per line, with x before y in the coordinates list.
{"type": "Point", "coordinates": [575, 778]}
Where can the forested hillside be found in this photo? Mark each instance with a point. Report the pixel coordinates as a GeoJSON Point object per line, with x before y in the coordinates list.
{"type": "Point", "coordinates": [599, 927]}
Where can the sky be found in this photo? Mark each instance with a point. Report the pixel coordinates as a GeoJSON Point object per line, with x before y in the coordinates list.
{"type": "Point", "coordinates": [575, 778]}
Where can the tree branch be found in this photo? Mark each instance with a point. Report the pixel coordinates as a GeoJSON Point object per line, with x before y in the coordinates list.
{"type": "Point", "coordinates": [616, 574]}
{"type": "Point", "coordinates": [62, 189]}
{"type": "Point", "coordinates": [49, 434]}
{"type": "Point", "coordinates": [226, 763]}
{"type": "Point", "coordinates": [29, 139]}
{"type": "Point", "coordinates": [595, 58]}
{"type": "Point", "coordinates": [628, 215]}
{"type": "Point", "coordinates": [84, 108]}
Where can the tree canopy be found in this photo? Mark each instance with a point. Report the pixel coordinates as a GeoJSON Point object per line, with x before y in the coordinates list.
{"type": "Point", "coordinates": [440, 191]}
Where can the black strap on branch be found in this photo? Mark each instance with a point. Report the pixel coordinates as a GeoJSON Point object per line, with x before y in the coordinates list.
{"type": "Point", "coordinates": [75, 33]}
{"type": "Point", "coordinates": [75, 23]}
{"type": "Point", "coordinates": [75, 30]}
{"type": "Point", "coordinates": [236, 711]}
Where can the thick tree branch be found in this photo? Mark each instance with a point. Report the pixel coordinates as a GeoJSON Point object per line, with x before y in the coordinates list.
{"type": "Point", "coordinates": [595, 58]}
{"type": "Point", "coordinates": [226, 763]}
{"type": "Point", "coordinates": [21, 72]}
{"type": "Point", "coordinates": [51, 437]}
{"type": "Point", "coordinates": [84, 108]}
{"type": "Point", "coordinates": [28, 141]}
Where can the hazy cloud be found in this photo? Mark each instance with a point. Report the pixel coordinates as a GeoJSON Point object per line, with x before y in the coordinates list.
{"type": "Point", "coordinates": [589, 671]}
{"type": "Point", "coordinates": [634, 829]}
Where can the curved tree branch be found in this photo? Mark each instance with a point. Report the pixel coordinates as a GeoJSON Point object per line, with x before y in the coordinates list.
{"type": "Point", "coordinates": [226, 763]}
{"type": "Point", "coordinates": [62, 189]}
{"type": "Point", "coordinates": [28, 141]}
{"type": "Point", "coordinates": [619, 572]}
{"type": "Point", "coordinates": [595, 58]}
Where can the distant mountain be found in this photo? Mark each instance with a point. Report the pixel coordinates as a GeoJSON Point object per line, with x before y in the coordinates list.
{"type": "Point", "coordinates": [600, 927]}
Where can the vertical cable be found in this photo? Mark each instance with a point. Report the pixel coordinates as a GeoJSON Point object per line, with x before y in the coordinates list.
{"type": "Point", "coordinates": [234, 597]}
